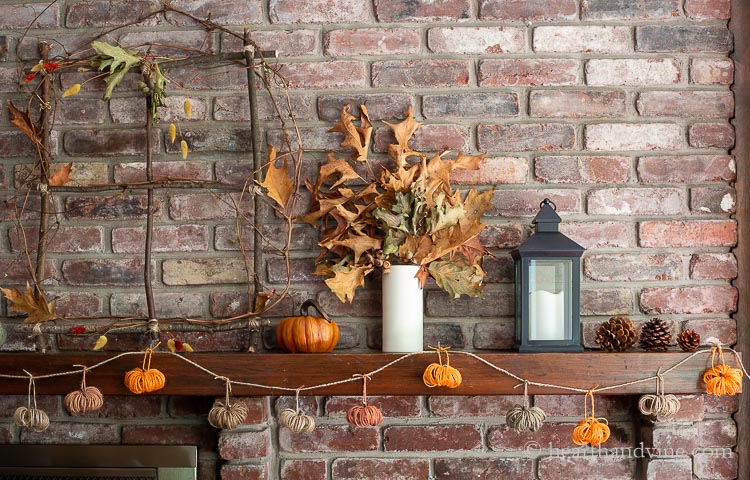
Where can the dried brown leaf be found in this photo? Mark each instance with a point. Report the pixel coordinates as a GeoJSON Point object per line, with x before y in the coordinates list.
{"type": "Point", "coordinates": [403, 132]}
{"type": "Point", "coordinates": [346, 280]}
{"type": "Point", "coordinates": [358, 139]}
{"type": "Point", "coordinates": [36, 306]}
{"type": "Point", "coordinates": [277, 181]}
{"type": "Point", "coordinates": [61, 176]}
{"type": "Point", "coordinates": [22, 120]}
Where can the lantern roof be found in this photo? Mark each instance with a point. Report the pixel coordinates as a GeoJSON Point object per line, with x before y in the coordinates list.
{"type": "Point", "coordinates": [548, 241]}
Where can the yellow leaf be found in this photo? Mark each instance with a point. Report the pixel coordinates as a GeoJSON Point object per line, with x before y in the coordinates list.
{"type": "Point", "coordinates": [36, 306]}
{"type": "Point", "coordinates": [187, 348]}
{"type": "Point", "coordinates": [37, 67]}
{"type": "Point", "coordinates": [277, 181]}
{"type": "Point", "coordinates": [61, 176]}
{"type": "Point", "coordinates": [171, 345]}
{"type": "Point", "coordinates": [184, 149]}
{"type": "Point", "coordinates": [72, 90]}
{"type": "Point", "coordinates": [188, 108]}
{"type": "Point", "coordinates": [100, 342]}
{"type": "Point", "coordinates": [346, 280]}
{"type": "Point", "coordinates": [172, 132]}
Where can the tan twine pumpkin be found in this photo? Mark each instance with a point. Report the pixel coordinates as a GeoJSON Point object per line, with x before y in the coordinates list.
{"type": "Point", "coordinates": [364, 415]}
{"type": "Point", "coordinates": [659, 406]}
{"type": "Point", "coordinates": [295, 419]}
{"type": "Point", "coordinates": [31, 416]}
{"type": "Point", "coordinates": [227, 415]}
{"type": "Point", "coordinates": [523, 418]}
{"type": "Point", "coordinates": [84, 400]}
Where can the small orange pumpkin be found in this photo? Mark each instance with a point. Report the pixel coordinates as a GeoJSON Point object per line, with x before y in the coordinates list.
{"type": "Point", "coordinates": [307, 334]}
{"type": "Point", "coordinates": [145, 379]}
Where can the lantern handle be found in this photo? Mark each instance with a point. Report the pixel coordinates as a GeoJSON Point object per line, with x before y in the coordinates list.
{"type": "Point", "coordinates": [312, 303]}
{"type": "Point", "coordinates": [547, 201]}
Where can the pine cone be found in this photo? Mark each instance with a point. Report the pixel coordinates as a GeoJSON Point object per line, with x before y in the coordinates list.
{"type": "Point", "coordinates": [656, 335]}
{"type": "Point", "coordinates": [617, 334]}
{"type": "Point", "coordinates": [689, 340]}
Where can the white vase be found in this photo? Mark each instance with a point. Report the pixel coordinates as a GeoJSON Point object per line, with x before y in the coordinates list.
{"type": "Point", "coordinates": [403, 313]}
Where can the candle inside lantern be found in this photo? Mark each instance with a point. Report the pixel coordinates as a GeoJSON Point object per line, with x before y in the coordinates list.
{"type": "Point", "coordinates": [546, 315]}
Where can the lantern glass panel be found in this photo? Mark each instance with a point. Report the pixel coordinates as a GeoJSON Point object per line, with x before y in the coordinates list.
{"type": "Point", "coordinates": [550, 282]}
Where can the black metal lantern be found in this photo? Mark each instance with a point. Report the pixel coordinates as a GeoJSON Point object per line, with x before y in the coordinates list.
{"type": "Point", "coordinates": [548, 287]}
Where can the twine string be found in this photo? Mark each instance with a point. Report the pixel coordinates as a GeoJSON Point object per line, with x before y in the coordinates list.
{"type": "Point", "coordinates": [227, 388]}
{"type": "Point", "coordinates": [32, 389]}
{"type": "Point", "coordinates": [84, 370]}
{"type": "Point", "coordinates": [365, 378]}
{"type": "Point", "coordinates": [296, 398]}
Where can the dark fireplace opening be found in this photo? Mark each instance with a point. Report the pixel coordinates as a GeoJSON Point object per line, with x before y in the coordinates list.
{"type": "Point", "coordinates": [90, 462]}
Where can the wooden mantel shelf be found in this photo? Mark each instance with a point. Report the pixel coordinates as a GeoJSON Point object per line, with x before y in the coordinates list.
{"type": "Point", "coordinates": [582, 370]}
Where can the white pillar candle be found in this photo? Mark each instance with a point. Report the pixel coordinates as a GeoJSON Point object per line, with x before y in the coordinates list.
{"type": "Point", "coordinates": [403, 315]}
{"type": "Point", "coordinates": [546, 315]}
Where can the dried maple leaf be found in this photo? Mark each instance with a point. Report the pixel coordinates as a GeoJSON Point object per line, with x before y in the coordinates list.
{"type": "Point", "coordinates": [61, 176]}
{"type": "Point", "coordinates": [358, 139]}
{"type": "Point", "coordinates": [346, 280]}
{"type": "Point", "coordinates": [403, 132]}
{"type": "Point", "coordinates": [277, 181]}
{"type": "Point", "coordinates": [335, 166]}
{"type": "Point", "coordinates": [358, 244]}
{"type": "Point", "coordinates": [37, 307]}
{"type": "Point", "coordinates": [22, 120]}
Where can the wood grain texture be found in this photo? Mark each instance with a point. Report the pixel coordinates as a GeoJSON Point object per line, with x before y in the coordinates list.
{"type": "Point", "coordinates": [581, 370]}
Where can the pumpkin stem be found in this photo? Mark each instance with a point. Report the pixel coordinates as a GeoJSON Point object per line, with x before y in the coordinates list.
{"type": "Point", "coordinates": [312, 303]}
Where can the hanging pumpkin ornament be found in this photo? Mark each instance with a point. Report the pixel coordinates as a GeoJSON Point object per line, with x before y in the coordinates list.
{"type": "Point", "coordinates": [722, 379]}
{"type": "Point", "coordinates": [439, 375]}
{"type": "Point", "coordinates": [307, 334]}
{"type": "Point", "coordinates": [227, 415]}
{"type": "Point", "coordinates": [523, 418]}
{"type": "Point", "coordinates": [31, 417]}
{"type": "Point", "coordinates": [364, 415]}
{"type": "Point", "coordinates": [659, 406]}
{"type": "Point", "coordinates": [296, 420]}
{"type": "Point", "coordinates": [590, 430]}
{"type": "Point", "coordinates": [145, 379]}
{"type": "Point", "coordinates": [86, 399]}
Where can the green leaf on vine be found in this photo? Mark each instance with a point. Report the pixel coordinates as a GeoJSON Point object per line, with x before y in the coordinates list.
{"type": "Point", "coordinates": [117, 60]}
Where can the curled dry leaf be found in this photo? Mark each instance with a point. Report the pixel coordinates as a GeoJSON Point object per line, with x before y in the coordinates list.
{"type": "Point", "coordinates": [34, 304]}
{"type": "Point", "coordinates": [72, 90]}
{"type": "Point", "coordinates": [61, 176]}
{"type": "Point", "coordinates": [277, 181]}
{"type": "Point", "coordinates": [100, 343]}
{"type": "Point", "coordinates": [23, 121]}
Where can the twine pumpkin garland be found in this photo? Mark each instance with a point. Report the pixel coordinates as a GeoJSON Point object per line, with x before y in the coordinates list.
{"type": "Point", "coordinates": [439, 374]}
{"type": "Point", "coordinates": [31, 417]}
{"type": "Point", "coordinates": [523, 418]}
{"type": "Point", "coordinates": [145, 379]}
{"type": "Point", "coordinates": [84, 400]}
{"type": "Point", "coordinates": [722, 379]}
{"type": "Point", "coordinates": [227, 415]}
{"type": "Point", "coordinates": [659, 406]}
{"type": "Point", "coordinates": [590, 430]}
{"type": "Point", "coordinates": [295, 419]}
{"type": "Point", "coordinates": [364, 415]}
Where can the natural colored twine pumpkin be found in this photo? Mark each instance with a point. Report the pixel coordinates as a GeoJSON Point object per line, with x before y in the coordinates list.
{"type": "Point", "coordinates": [364, 415]}
{"type": "Point", "coordinates": [296, 420]}
{"type": "Point", "coordinates": [31, 417]}
{"type": "Point", "coordinates": [659, 406]}
{"type": "Point", "coordinates": [86, 399]}
{"type": "Point", "coordinates": [145, 379]}
{"type": "Point", "coordinates": [722, 379]}
{"type": "Point", "coordinates": [227, 415]}
{"type": "Point", "coordinates": [590, 430]}
{"type": "Point", "coordinates": [523, 418]}
{"type": "Point", "coordinates": [439, 374]}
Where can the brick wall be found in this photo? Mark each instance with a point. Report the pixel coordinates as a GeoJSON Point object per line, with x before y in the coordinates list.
{"type": "Point", "coordinates": [617, 111]}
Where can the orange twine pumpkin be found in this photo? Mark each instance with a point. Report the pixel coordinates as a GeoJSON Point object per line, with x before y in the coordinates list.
{"type": "Point", "coordinates": [145, 379]}
{"type": "Point", "coordinates": [439, 375]}
{"type": "Point", "coordinates": [722, 379]}
{"type": "Point", "coordinates": [590, 430]}
{"type": "Point", "coordinates": [364, 415]}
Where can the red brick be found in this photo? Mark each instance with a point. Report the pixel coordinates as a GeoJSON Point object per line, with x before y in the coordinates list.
{"type": "Point", "coordinates": [389, 405]}
{"type": "Point", "coordinates": [711, 135]}
{"type": "Point", "coordinates": [287, 43]}
{"type": "Point", "coordinates": [73, 433]}
{"type": "Point", "coordinates": [715, 465]}
{"type": "Point", "coordinates": [237, 109]}
{"type": "Point", "coordinates": [374, 469]}
{"type": "Point", "coordinates": [711, 71]}
{"type": "Point", "coordinates": [371, 41]}
{"type": "Point", "coordinates": [528, 72]}
{"type": "Point", "coordinates": [303, 237]}
{"type": "Point", "coordinates": [588, 39]}
{"type": "Point", "coordinates": [724, 404]}
{"type": "Point", "coordinates": [633, 71]}
{"type": "Point", "coordinates": [167, 238]}
{"type": "Point", "coordinates": [168, 304]}
{"type": "Point", "coordinates": [686, 169]}
{"type": "Point", "coordinates": [507, 235]}
{"type": "Point", "coordinates": [191, 78]}
{"type": "Point", "coordinates": [15, 272]}
{"type": "Point", "coordinates": [674, 439]}
{"type": "Point", "coordinates": [499, 269]}
{"type": "Point", "coordinates": [126, 406]}
{"type": "Point", "coordinates": [223, 12]}
{"type": "Point", "coordinates": [98, 13]}
{"type": "Point", "coordinates": [526, 137]}
{"type": "Point", "coordinates": [188, 407]}
{"type": "Point", "coordinates": [120, 207]}
{"type": "Point", "coordinates": [244, 472]}
{"type": "Point", "coordinates": [201, 435]}
{"type": "Point", "coordinates": [528, 10]}
{"type": "Point", "coordinates": [580, 169]}
{"type": "Point", "coordinates": [713, 266]}
{"type": "Point", "coordinates": [629, 136]}
{"type": "Point", "coordinates": [82, 174]}
{"type": "Point", "coordinates": [576, 103]}
{"type": "Point", "coordinates": [107, 143]}
{"type": "Point", "coordinates": [244, 445]}
{"type": "Point", "coordinates": [490, 304]}
{"type": "Point", "coordinates": [713, 199]}
{"type": "Point", "coordinates": [717, 433]}
{"type": "Point", "coordinates": [208, 206]}
{"type": "Point", "coordinates": [572, 406]}
{"type": "Point", "coordinates": [691, 409]}
{"type": "Point", "coordinates": [203, 271]}
{"type": "Point", "coordinates": [675, 468]}
{"type": "Point", "coordinates": [468, 105]}
{"type": "Point", "coordinates": [329, 438]}
{"type": "Point", "coordinates": [60, 240]}
{"type": "Point", "coordinates": [307, 403]}
{"type": "Point", "coordinates": [6, 435]}
{"type": "Point", "coordinates": [79, 111]}
{"type": "Point", "coordinates": [494, 171]}
{"type": "Point", "coordinates": [723, 329]}
{"type": "Point", "coordinates": [616, 10]}
{"type": "Point", "coordinates": [683, 38]}
{"type": "Point", "coordinates": [477, 40]}
{"type": "Point", "coordinates": [132, 110]}
{"type": "Point", "coordinates": [696, 233]}
{"type": "Point", "coordinates": [603, 234]}
{"type": "Point", "coordinates": [708, 9]}
{"type": "Point", "coordinates": [586, 467]}
{"type": "Point", "coordinates": [307, 469]}
{"type": "Point", "coordinates": [211, 140]}
{"type": "Point", "coordinates": [420, 73]}
{"type": "Point", "coordinates": [549, 436]}
{"type": "Point", "coordinates": [368, 304]}
{"type": "Point", "coordinates": [313, 138]}
{"type": "Point", "coordinates": [421, 10]}
{"type": "Point", "coordinates": [451, 468]}
{"type": "Point", "coordinates": [33, 15]}
{"type": "Point", "coordinates": [431, 438]}
{"type": "Point", "coordinates": [136, 172]}
{"type": "Point", "coordinates": [229, 341]}
{"type": "Point", "coordinates": [324, 75]}
{"type": "Point", "coordinates": [432, 138]}
{"type": "Point", "coordinates": [606, 301]}
{"type": "Point", "coordinates": [301, 271]}
{"type": "Point", "coordinates": [633, 268]}
{"type": "Point", "coordinates": [77, 304]}
{"type": "Point", "coordinates": [636, 201]}
{"type": "Point", "coordinates": [15, 144]}
{"type": "Point", "coordinates": [526, 202]}
{"type": "Point", "coordinates": [686, 104]}
{"type": "Point", "coordinates": [104, 272]}
{"type": "Point", "coordinates": [380, 106]}
{"type": "Point", "coordinates": [703, 299]}
{"type": "Point", "coordinates": [48, 403]}
{"type": "Point", "coordinates": [473, 406]}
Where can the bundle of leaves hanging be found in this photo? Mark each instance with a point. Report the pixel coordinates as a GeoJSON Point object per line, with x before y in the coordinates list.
{"type": "Point", "coordinates": [439, 374]}
{"type": "Point", "coordinates": [722, 379]}
{"type": "Point", "coordinates": [145, 379]}
{"type": "Point", "coordinates": [31, 416]}
{"type": "Point", "coordinates": [227, 415]}
{"type": "Point", "coordinates": [591, 430]}
{"type": "Point", "coordinates": [295, 419]}
{"type": "Point", "coordinates": [364, 415]}
{"type": "Point", "coordinates": [523, 418]}
{"type": "Point", "coordinates": [402, 212]}
{"type": "Point", "coordinates": [659, 406]}
{"type": "Point", "coordinates": [617, 334]}
{"type": "Point", "coordinates": [84, 400]}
